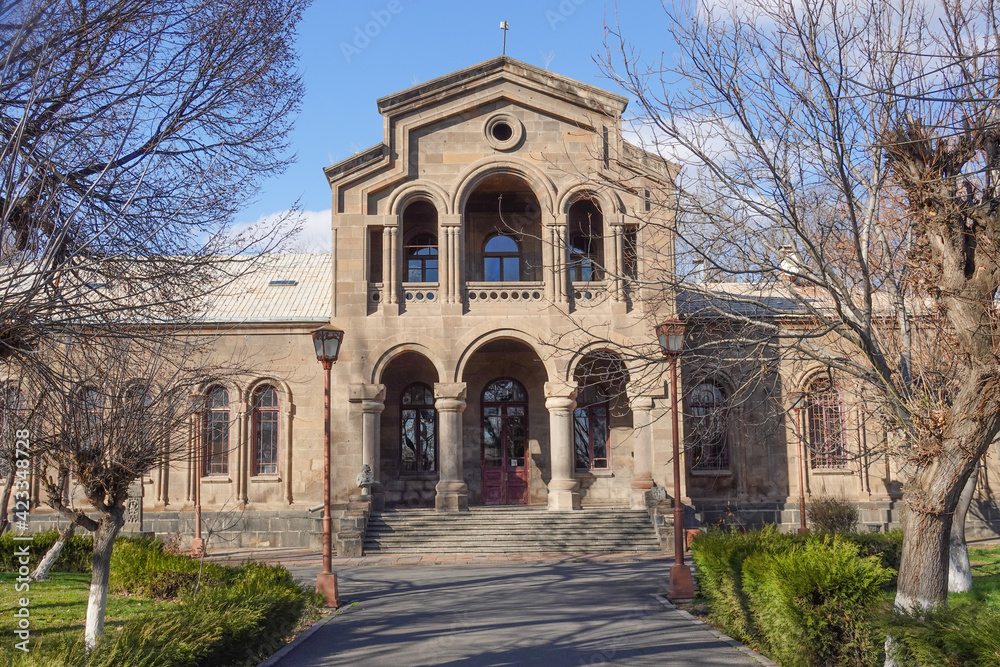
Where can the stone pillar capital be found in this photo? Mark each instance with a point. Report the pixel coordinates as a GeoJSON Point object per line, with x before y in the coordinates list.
{"type": "Point", "coordinates": [450, 390]}
{"type": "Point", "coordinates": [560, 220]}
{"type": "Point", "coordinates": [366, 393]}
{"type": "Point", "coordinates": [561, 390]}
{"type": "Point", "coordinates": [450, 220]}
{"type": "Point", "coordinates": [641, 403]}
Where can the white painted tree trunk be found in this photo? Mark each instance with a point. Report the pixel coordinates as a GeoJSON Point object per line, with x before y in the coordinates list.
{"type": "Point", "coordinates": [959, 568]}
{"type": "Point", "coordinates": [41, 572]}
{"type": "Point", "coordinates": [97, 602]}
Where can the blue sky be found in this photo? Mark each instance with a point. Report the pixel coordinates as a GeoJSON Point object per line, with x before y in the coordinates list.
{"type": "Point", "coordinates": [353, 53]}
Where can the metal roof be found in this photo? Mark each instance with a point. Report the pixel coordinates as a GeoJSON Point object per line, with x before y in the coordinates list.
{"type": "Point", "coordinates": [250, 298]}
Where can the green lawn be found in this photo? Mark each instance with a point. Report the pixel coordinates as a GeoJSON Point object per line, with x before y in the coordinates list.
{"type": "Point", "coordinates": [985, 578]}
{"type": "Point", "coordinates": [58, 608]}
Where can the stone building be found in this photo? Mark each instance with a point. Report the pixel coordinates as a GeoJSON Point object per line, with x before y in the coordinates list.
{"type": "Point", "coordinates": [488, 269]}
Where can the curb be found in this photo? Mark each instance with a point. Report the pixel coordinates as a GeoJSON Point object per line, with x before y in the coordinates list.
{"type": "Point", "coordinates": [742, 648]}
{"type": "Point", "coordinates": [291, 646]}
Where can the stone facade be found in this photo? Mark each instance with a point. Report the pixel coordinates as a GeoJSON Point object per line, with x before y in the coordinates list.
{"type": "Point", "coordinates": [488, 282]}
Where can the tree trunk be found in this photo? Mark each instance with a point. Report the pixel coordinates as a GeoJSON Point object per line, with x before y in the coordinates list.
{"type": "Point", "coordinates": [104, 543]}
{"type": "Point", "coordinates": [960, 570]}
{"type": "Point", "coordinates": [923, 569]}
{"type": "Point", "coordinates": [5, 501]}
{"type": "Point", "coordinates": [41, 572]}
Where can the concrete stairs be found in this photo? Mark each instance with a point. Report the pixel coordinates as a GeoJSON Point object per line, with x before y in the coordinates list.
{"type": "Point", "coordinates": [510, 530]}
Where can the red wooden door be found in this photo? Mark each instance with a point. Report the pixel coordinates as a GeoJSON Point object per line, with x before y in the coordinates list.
{"type": "Point", "coordinates": [505, 443]}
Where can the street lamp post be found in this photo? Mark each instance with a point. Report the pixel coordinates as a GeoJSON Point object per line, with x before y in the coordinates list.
{"type": "Point", "coordinates": [327, 342]}
{"type": "Point", "coordinates": [671, 336]}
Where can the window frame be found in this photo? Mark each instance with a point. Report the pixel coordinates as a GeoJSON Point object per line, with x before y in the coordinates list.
{"type": "Point", "coordinates": [257, 411]}
{"type": "Point", "coordinates": [588, 407]}
{"type": "Point", "coordinates": [418, 471]}
{"type": "Point", "coordinates": [823, 396]}
{"type": "Point", "coordinates": [210, 417]}
{"type": "Point", "coordinates": [718, 458]}
{"type": "Point", "coordinates": [501, 256]}
{"type": "Point", "coordinates": [412, 254]}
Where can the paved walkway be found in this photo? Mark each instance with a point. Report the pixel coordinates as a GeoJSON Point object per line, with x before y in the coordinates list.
{"type": "Point", "coordinates": [558, 610]}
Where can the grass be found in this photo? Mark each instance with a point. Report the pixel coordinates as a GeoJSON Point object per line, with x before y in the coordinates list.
{"type": "Point", "coordinates": [985, 578]}
{"type": "Point", "coordinates": [58, 608]}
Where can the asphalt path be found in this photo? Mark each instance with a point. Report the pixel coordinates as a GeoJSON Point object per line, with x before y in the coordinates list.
{"type": "Point", "coordinates": [553, 614]}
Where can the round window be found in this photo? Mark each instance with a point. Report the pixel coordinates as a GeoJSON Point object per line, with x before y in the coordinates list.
{"type": "Point", "coordinates": [503, 132]}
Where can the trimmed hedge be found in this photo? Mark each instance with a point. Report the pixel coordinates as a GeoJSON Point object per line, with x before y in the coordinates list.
{"type": "Point", "coordinates": [815, 604]}
{"type": "Point", "coordinates": [236, 624]}
{"type": "Point", "coordinates": [239, 616]}
{"type": "Point", "coordinates": [75, 555]}
{"type": "Point", "coordinates": [720, 557]}
{"type": "Point", "coordinates": [140, 566]}
{"type": "Point", "coordinates": [966, 635]}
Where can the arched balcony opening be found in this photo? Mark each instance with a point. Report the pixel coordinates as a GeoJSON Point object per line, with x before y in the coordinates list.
{"type": "Point", "coordinates": [503, 240]}
{"type": "Point", "coordinates": [586, 242]}
{"type": "Point", "coordinates": [420, 245]}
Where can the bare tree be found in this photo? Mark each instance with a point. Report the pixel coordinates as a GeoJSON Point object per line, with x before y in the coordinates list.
{"type": "Point", "coordinates": [131, 132]}
{"type": "Point", "coordinates": [840, 181]}
{"type": "Point", "coordinates": [120, 411]}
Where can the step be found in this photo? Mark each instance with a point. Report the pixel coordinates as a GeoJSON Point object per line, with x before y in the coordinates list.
{"type": "Point", "coordinates": [513, 530]}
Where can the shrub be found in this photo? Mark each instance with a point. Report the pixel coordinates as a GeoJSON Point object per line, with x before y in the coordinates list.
{"type": "Point", "coordinates": [833, 515]}
{"type": "Point", "coordinates": [718, 557]}
{"type": "Point", "coordinates": [816, 604]}
{"type": "Point", "coordinates": [887, 546]}
{"type": "Point", "coordinates": [966, 635]}
{"type": "Point", "coordinates": [226, 625]}
{"type": "Point", "coordinates": [75, 556]}
{"type": "Point", "coordinates": [141, 566]}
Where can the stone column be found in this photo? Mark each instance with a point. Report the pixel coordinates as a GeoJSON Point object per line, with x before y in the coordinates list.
{"type": "Point", "coordinates": [449, 267]}
{"type": "Point", "coordinates": [372, 400]}
{"type": "Point", "coordinates": [614, 260]}
{"type": "Point", "coordinates": [560, 265]}
{"type": "Point", "coordinates": [451, 492]}
{"type": "Point", "coordinates": [642, 452]}
{"type": "Point", "coordinates": [549, 262]}
{"type": "Point", "coordinates": [390, 263]}
{"type": "Point", "coordinates": [245, 444]}
{"type": "Point", "coordinates": [560, 401]}
{"type": "Point", "coordinates": [286, 446]}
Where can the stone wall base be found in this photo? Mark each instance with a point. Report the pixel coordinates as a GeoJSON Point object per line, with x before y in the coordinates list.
{"type": "Point", "coordinates": [250, 529]}
{"type": "Point", "coordinates": [982, 522]}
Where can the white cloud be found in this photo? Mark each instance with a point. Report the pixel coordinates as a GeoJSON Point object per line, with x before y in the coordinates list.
{"type": "Point", "coordinates": [313, 235]}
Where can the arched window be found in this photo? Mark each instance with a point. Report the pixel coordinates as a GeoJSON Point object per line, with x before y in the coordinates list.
{"type": "Point", "coordinates": [422, 259]}
{"type": "Point", "coordinates": [265, 431]}
{"type": "Point", "coordinates": [708, 428]}
{"type": "Point", "coordinates": [215, 432]}
{"type": "Point", "coordinates": [586, 242]}
{"type": "Point", "coordinates": [825, 425]}
{"type": "Point", "coordinates": [501, 259]}
{"type": "Point", "coordinates": [88, 416]}
{"type": "Point", "coordinates": [418, 429]}
{"type": "Point", "coordinates": [590, 429]}
{"type": "Point", "coordinates": [583, 266]}
{"type": "Point", "coordinates": [12, 410]}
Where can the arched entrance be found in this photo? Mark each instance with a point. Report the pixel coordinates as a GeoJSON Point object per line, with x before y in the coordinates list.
{"type": "Point", "coordinates": [505, 443]}
{"type": "Point", "coordinates": [505, 424]}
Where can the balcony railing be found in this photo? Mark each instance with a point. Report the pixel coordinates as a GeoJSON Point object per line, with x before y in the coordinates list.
{"type": "Point", "coordinates": [589, 293]}
{"type": "Point", "coordinates": [483, 292]}
{"type": "Point", "coordinates": [417, 293]}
